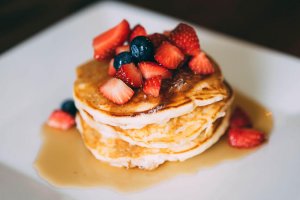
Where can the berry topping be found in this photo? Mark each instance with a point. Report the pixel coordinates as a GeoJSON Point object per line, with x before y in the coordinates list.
{"type": "Point", "coordinates": [168, 55]}
{"type": "Point", "coordinates": [120, 49]}
{"type": "Point", "coordinates": [185, 37]}
{"type": "Point", "coordinates": [138, 30]}
{"type": "Point", "coordinates": [152, 86]}
{"type": "Point", "coordinates": [130, 75]}
{"type": "Point", "coordinates": [116, 91]}
{"type": "Point", "coordinates": [200, 64]}
{"type": "Point", "coordinates": [61, 120]}
{"type": "Point", "coordinates": [106, 43]}
{"type": "Point", "coordinates": [151, 69]}
{"type": "Point", "coordinates": [245, 137]}
{"type": "Point", "coordinates": [121, 59]}
{"type": "Point", "coordinates": [69, 107]}
{"type": "Point", "coordinates": [141, 49]}
{"type": "Point", "coordinates": [167, 33]}
{"type": "Point", "coordinates": [240, 118]}
{"type": "Point", "coordinates": [157, 39]}
{"type": "Point", "coordinates": [111, 69]}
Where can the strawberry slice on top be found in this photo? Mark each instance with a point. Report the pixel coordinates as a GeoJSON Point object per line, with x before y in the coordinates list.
{"type": "Point", "coordinates": [120, 49]}
{"type": "Point", "coordinates": [116, 91]}
{"type": "Point", "coordinates": [152, 86]}
{"type": "Point", "coordinates": [157, 39]}
{"type": "Point", "coordinates": [185, 37]}
{"type": "Point", "coordinates": [168, 55]}
{"type": "Point", "coordinates": [151, 69]}
{"type": "Point", "coordinates": [200, 64]}
{"type": "Point", "coordinates": [106, 43]}
{"type": "Point", "coordinates": [138, 30]}
{"type": "Point", "coordinates": [130, 74]}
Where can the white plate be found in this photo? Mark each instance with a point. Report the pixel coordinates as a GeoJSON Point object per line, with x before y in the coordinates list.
{"type": "Point", "coordinates": [38, 74]}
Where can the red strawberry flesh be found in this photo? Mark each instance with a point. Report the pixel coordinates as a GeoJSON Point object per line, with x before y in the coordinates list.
{"type": "Point", "coordinates": [185, 37]}
{"type": "Point", "coordinates": [245, 137]}
{"type": "Point", "coordinates": [157, 39]}
{"type": "Point", "coordinates": [130, 74]}
{"type": "Point", "coordinates": [61, 120]}
{"type": "Point", "coordinates": [138, 30]}
{"type": "Point", "coordinates": [240, 118]}
{"type": "Point", "coordinates": [151, 69]}
{"type": "Point", "coordinates": [111, 68]}
{"type": "Point", "coordinates": [116, 91]}
{"type": "Point", "coordinates": [106, 43]}
{"type": "Point", "coordinates": [168, 55]}
{"type": "Point", "coordinates": [152, 86]}
{"type": "Point", "coordinates": [120, 49]}
{"type": "Point", "coordinates": [200, 64]}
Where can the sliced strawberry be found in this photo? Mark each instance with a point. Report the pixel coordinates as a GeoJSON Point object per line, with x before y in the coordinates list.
{"type": "Point", "coordinates": [157, 39]}
{"type": "Point", "coordinates": [168, 55]}
{"type": "Point", "coordinates": [61, 120]}
{"type": "Point", "coordinates": [106, 43]}
{"type": "Point", "coordinates": [200, 64]}
{"type": "Point", "coordinates": [138, 30]}
{"type": "Point", "coordinates": [124, 48]}
{"type": "Point", "coordinates": [151, 69]}
{"type": "Point", "coordinates": [240, 118]}
{"type": "Point", "coordinates": [111, 69]}
{"type": "Point", "coordinates": [116, 91]}
{"type": "Point", "coordinates": [185, 37]}
{"type": "Point", "coordinates": [245, 137]}
{"type": "Point", "coordinates": [130, 75]}
{"type": "Point", "coordinates": [152, 86]}
{"type": "Point", "coordinates": [167, 33]}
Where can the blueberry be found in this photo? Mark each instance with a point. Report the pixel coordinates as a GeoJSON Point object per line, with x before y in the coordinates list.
{"type": "Point", "coordinates": [141, 49]}
{"type": "Point", "coordinates": [121, 59]}
{"type": "Point", "coordinates": [69, 107]}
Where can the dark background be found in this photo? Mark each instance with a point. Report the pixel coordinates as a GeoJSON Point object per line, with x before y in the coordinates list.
{"type": "Point", "coordinates": [271, 23]}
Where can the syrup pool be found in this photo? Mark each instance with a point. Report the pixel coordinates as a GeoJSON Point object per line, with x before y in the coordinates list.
{"type": "Point", "coordinates": [64, 161]}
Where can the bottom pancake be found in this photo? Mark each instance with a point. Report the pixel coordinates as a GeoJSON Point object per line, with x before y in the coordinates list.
{"type": "Point", "coordinates": [118, 152]}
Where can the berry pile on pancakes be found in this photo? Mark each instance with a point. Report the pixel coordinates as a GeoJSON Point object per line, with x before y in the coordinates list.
{"type": "Point", "coordinates": [150, 98]}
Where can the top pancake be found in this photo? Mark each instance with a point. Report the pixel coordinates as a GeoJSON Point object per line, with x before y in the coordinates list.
{"type": "Point", "coordinates": [178, 96]}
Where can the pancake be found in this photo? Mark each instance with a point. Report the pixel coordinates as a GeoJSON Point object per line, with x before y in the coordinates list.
{"type": "Point", "coordinates": [173, 134]}
{"type": "Point", "coordinates": [178, 96]}
{"type": "Point", "coordinates": [120, 153]}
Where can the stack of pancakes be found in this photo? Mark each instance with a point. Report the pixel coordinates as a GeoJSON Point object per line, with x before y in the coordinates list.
{"type": "Point", "coordinates": [191, 114]}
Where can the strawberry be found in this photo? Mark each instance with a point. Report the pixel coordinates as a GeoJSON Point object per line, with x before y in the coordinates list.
{"type": "Point", "coordinates": [157, 39]}
{"type": "Point", "coordinates": [111, 68]}
{"type": "Point", "coordinates": [185, 37]}
{"type": "Point", "coordinates": [61, 120]}
{"type": "Point", "coordinates": [138, 30]}
{"type": "Point", "coordinates": [168, 55]}
{"type": "Point", "coordinates": [152, 86]}
{"type": "Point", "coordinates": [116, 91]}
{"type": "Point", "coordinates": [200, 64]}
{"type": "Point", "coordinates": [130, 75]}
{"type": "Point", "coordinates": [121, 49]}
{"type": "Point", "coordinates": [151, 69]}
{"type": "Point", "coordinates": [106, 43]}
{"type": "Point", "coordinates": [240, 118]}
{"type": "Point", "coordinates": [245, 137]}
{"type": "Point", "coordinates": [167, 33]}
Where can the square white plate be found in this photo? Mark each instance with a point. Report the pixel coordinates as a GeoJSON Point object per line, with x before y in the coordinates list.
{"type": "Point", "coordinates": [38, 74]}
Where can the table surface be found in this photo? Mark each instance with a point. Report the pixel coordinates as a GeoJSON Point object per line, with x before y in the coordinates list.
{"type": "Point", "coordinates": [271, 23]}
